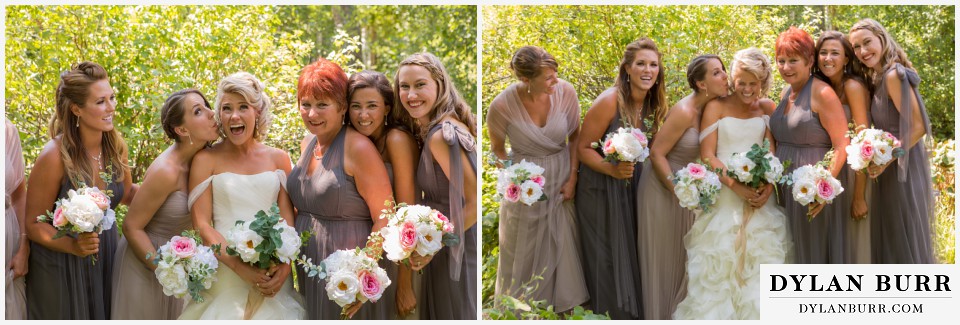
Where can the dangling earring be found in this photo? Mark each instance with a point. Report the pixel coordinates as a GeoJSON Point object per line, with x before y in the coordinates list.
{"type": "Point", "coordinates": [528, 88]}
{"type": "Point", "coordinates": [78, 120]}
{"type": "Point", "coordinates": [191, 139]}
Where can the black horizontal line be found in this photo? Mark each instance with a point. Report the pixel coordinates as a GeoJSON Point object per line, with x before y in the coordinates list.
{"type": "Point", "coordinates": [863, 297]}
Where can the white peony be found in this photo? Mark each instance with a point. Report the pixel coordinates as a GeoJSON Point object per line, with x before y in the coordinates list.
{"type": "Point", "coordinates": [428, 239]}
{"type": "Point", "coordinates": [391, 244]}
{"type": "Point", "coordinates": [628, 146]}
{"type": "Point", "coordinates": [414, 212]}
{"type": "Point", "coordinates": [853, 157]}
{"type": "Point", "coordinates": [109, 219]}
{"type": "Point", "coordinates": [173, 278]}
{"type": "Point", "coordinates": [883, 152]}
{"type": "Point", "coordinates": [83, 212]}
{"type": "Point", "coordinates": [804, 190]}
{"type": "Point", "coordinates": [773, 174]}
{"type": "Point", "coordinates": [530, 167]}
{"type": "Point", "coordinates": [342, 259]}
{"type": "Point", "coordinates": [712, 181]}
{"type": "Point", "coordinates": [688, 195]}
{"type": "Point", "coordinates": [288, 252]}
{"type": "Point", "coordinates": [245, 242]}
{"type": "Point", "coordinates": [342, 287]}
{"type": "Point", "coordinates": [530, 192]}
{"type": "Point", "coordinates": [741, 166]}
{"type": "Point", "coordinates": [504, 179]}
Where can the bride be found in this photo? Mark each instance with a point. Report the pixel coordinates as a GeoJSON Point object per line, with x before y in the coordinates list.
{"type": "Point", "coordinates": [230, 182]}
{"type": "Point", "coordinates": [726, 246]}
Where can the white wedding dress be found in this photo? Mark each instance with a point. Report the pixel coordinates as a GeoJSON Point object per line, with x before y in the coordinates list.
{"type": "Point", "coordinates": [239, 197]}
{"type": "Point", "coordinates": [720, 285]}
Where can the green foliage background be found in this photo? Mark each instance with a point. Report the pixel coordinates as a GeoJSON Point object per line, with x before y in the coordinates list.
{"type": "Point", "coordinates": [588, 42]}
{"type": "Point", "coordinates": [152, 51]}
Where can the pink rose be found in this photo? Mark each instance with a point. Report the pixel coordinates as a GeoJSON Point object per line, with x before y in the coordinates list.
{"type": "Point", "coordinates": [824, 189]}
{"type": "Point", "coordinates": [539, 180]}
{"type": "Point", "coordinates": [408, 236]}
{"type": "Point", "coordinates": [447, 225]}
{"type": "Point", "coordinates": [59, 220]}
{"type": "Point", "coordinates": [102, 201]}
{"type": "Point", "coordinates": [697, 171]}
{"type": "Point", "coordinates": [866, 150]}
{"type": "Point", "coordinates": [369, 286]}
{"type": "Point", "coordinates": [183, 247]}
{"type": "Point", "coordinates": [513, 193]}
{"type": "Point", "coordinates": [608, 147]}
{"type": "Point", "coordinates": [640, 136]}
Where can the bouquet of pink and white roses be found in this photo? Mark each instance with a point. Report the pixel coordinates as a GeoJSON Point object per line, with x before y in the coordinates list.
{"type": "Point", "coordinates": [625, 144]}
{"type": "Point", "coordinates": [353, 276]}
{"type": "Point", "coordinates": [84, 210]}
{"type": "Point", "coordinates": [757, 167]}
{"type": "Point", "coordinates": [185, 266]}
{"type": "Point", "coordinates": [415, 228]}
{"type": "Point", "coordinates": [696, 187]}
{"type": "Point", "coordinates": [522, 182]}
{"type": "Point", "coordinates": [815, 183]}
{"type": "Point", "coordinates": [872, 147]}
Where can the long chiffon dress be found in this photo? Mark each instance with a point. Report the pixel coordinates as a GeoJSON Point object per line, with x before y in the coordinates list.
{"type": "Point", "coordinates": [450, 280]}
{"type": "Point", "coordinates": [13, 177]}
{"type": "Point", "coordinates": [802, 140]}
{"type": "Point", "coordinates": [858, 231]}
{"type": "Point", "coordinates": [540, 240]}
{"type": "Point", "coordinates": [137, 294]}
{"type": "Point", "coordinates": [902, 202]}
{"type": "Point", "coordinates": [329, 205]}
{"type": "Point", "coordinates": [607, 219]}
{"type": "Point", "coordinates": [66, 286]}
{"type": "Point", "coordinates": [661, 225]}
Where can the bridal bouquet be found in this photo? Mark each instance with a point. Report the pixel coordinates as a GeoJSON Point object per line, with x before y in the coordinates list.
{"type": "Point", "coordinates": [265, 241]}
{"type": "Point", "coordinates": [626, 144]}
{"type": "Point", "coordinates": [814, 183]}
{"type": "Point", "coordinates": [696, 187]}
{"type": "Point", "coordinates": [872, 147]}
{"type": "Point", "coordinates": [415, 228]}
{"type": "Point", "coordinates": [521, 182]}
{"type": "Point", "coordinates": [353, 276]}
{"type": "Point", "coordinates": [185, 266]}
{"type": "Point", "coordinates": [84, 210]}
{"type": "Point", "coordinates": [757, 166]}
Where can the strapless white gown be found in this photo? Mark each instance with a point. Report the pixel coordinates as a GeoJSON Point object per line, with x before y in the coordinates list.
{"type": "Point", "coordinates": [239, 197]}
{"type": "Point", "coordinates": [719, 286]}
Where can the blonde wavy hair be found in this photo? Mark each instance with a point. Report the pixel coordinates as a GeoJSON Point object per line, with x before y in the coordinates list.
{"type": "Point", "coordinates": [74, 88]}
{"type": "Point", "coordinates": [752, 60]}
{"type": "Point", "coordinates": [891, 51]}
{"type": "Point", "coordinates": [251, 89]}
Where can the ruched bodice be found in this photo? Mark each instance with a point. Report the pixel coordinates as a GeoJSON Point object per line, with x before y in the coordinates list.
{"type": "Point", "coordinates": [328, 191]}
{"type": "Point", "coordinates": [800, 127]}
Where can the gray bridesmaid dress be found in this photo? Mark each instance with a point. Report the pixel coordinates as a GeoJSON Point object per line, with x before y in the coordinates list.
{"type": "Point", "coordinates": [902, 202]}
{"type": "Point", "coordinates": [66, 286]}
{"type": "Point", "coordinates": [802, 140]}
{"type": "Point", "coordinates": [136, 292]}
{"type": "Point", "coordinates": [607, 219]}
{"type": "Point", "coordinates": [329, 205]}
{"type": "Point", "coordinates": [450, 280]}
{"type": "Point", "coordinates": [661, 225]}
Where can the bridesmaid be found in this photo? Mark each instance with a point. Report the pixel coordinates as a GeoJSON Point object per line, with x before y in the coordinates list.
{"type": "Point", "coordinates": [541, 117]}
{"type": "Point", "coordinates": [606, 205]}
{"type": "Point", "coordinates": [373, 113]}
{"type": "Point", "coordinates": [661, 222]}
{"type": "Point", "coordinates": [63, 282]}
{"type": "Point", "coordinates": [187, 119]}
{"type": "Point", "coordinates": [835, 63]}
{"type": "Point", "coordinates": [447, 175]}
{"type": "Point", "coordinates": [18, 246]}
{"type": "Point", "coordinates": [336, 186]}
{"type": "Point", "coordinates": [901, 200]}
{"type": "Point", "coordinates": [808, 122]}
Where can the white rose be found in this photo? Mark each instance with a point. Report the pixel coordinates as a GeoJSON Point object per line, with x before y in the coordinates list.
{"type": "Point", "coordinates": [853, 157]}
{"type": "Point", "coordinates": [342, 287]}
{"type": "Point", "coordinates": [291, 243]}
{"type": "Point", "coordinates": [883, 152]}
{"type": "Point", "coordinates": [804, 185]}
{"type": "Point", "coordinates": [773, 174]}
{"type": "Point", "coordinates": [687, 194]}
{"type": "Point", "coordinates": [428, 239]}
{"type": "Point", "coordinates": [339, 260]}
{"type": "Point", "coordinates": [109, 219]}
{"type": "Point", "coordinates": [741, 166]}
{"type": "Point", "coordinates": [530, 192]}
{"type": "Point", "coordinates": [531, 168]}
{"type": "Point", "coordinates": [503, 180]}
{"type": "Point", "coordinates": [173, 278]}
{"type": "Point", "coordinates": [391, 244]}
{"type": "Point", "coordinates": [414, 212]}
{"type": "Point", "coordinates": [712, 182]}
{"type": "Point", "coordinates": [245, 242]}
{"type": "Point", "coordinates": [83, 212]}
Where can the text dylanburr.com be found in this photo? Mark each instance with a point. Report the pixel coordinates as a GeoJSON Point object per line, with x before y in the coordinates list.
{"type": "Point", "coordinates": [858, 292]}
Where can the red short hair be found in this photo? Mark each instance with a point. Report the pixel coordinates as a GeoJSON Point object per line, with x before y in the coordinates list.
{"type": "Point", "coordinates": [795, 42]}
{"type": "Point", "coordinates": [323, 79]}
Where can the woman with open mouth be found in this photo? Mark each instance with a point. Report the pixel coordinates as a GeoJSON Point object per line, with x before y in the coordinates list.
{"type": "Point", "coordinates": [336, 187]}
{"type": "Point", "coordinates": [447, 175]}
